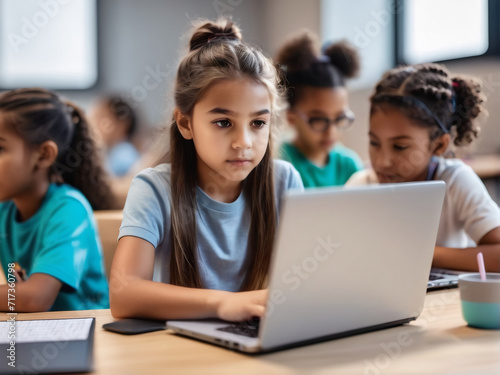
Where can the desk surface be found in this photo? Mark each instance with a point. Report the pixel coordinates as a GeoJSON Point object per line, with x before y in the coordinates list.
{"type": "Point", "coordinates": [439, 342]}
{"type": "Point", "coordinates": [485, 166]}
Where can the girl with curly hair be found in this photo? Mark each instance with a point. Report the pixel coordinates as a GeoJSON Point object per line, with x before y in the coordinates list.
{"type": "Point", "coordinates": [416, 112]}
{"type": "Point", "coordinates": [318, 109]}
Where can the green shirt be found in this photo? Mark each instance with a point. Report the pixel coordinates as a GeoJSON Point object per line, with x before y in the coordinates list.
{"type": "Point", "coordinates": [60, 240]}
{"type": "Point", "coordinates": [342, 163]}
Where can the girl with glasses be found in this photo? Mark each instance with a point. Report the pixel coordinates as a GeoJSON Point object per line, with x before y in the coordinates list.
{"type": "Point", "coordinates": [318, 109]}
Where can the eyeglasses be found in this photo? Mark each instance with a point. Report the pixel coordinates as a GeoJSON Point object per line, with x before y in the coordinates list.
{"type": "Point", "coordinates": [321, 124]}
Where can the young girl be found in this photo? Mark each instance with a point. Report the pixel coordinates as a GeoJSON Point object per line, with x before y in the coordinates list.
{"type": "Point", "coordinates": [46, 225]}
{"type": "Point", "coordinates": [318, 109]}
{"type": "Point", "coordinates": [197, 232]}
{"type": "Point", "coordinates": [413, 112]}
{"type": "Point", "coordinates": [116, 123]}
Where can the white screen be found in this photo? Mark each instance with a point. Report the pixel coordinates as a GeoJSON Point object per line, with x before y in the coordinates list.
{"type": "Point", "coordinates": [48, 43]}
{"type": "Point", "coordinates": [435, 30]}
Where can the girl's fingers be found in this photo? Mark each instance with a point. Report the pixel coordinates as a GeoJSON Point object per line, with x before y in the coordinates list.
{"type": "Point", "coordinates": [256, 311]}
{"type": "Point", "coordinates": [18, 277]}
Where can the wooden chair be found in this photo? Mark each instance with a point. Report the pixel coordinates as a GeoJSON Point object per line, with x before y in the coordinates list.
{"type": "Point", "coordinates": [108, 224]}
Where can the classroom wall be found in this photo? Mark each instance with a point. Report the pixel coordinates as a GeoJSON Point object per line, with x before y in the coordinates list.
{"type": "Point", "coordinates": [141, 39]}
{"type": "Point", "coordinates": [283, 17]}
{"type": "Point", "coordinates": [488, 70]}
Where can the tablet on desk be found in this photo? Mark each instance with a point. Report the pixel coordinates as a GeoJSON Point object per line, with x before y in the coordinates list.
{"type": "Point", "coordinates": [46, 346]}
{"type": "Point", "coordinates": [135, 326]}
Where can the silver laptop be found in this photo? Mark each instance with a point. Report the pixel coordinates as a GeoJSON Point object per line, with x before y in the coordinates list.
{"type": "Point", "coordinates": [440, 278]}
{"type": "Point", "coordinates": [345, 261]}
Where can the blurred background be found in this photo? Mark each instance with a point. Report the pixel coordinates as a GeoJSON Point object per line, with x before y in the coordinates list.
{"type": "Point", "coordinates": [86, 49]}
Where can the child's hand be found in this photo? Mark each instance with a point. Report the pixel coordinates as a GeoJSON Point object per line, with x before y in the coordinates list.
{"type": "Point", "coordinates": [237, 307]}
{"type": "Point", "coordinates": [19, 273]}
{"type": "Point", "coordinates": [18, 276]}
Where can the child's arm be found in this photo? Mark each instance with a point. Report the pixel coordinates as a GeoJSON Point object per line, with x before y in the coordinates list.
{"type": "Point", "coordinates": [465, 259]}
{"type": "Point", "coordinates": [134, 294]}
{"type": "Point", "coordinates": [37, 293]}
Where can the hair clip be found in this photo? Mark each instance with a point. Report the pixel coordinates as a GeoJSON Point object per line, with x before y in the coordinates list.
{"type": "Point", "coordinates": [324, 59]}
{"type": "Point", "coordinates": [409, 69]}
{"type": "Point", "coordinates": [220, 36]}
{"type": "Point", "coordinates": [227, 36]}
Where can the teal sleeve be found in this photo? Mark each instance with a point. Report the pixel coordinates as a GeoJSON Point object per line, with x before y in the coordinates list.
{"type": "Point", "coordinates": [65, 246]}
{"type": "Point", "coordinates": [351, 163]}
{"type": "Point", "coordinates": [356, 163]}
{"type": "Point", "coordinates": [351, 167]}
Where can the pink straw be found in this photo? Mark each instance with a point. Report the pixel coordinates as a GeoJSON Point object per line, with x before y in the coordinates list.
{"type": "Point", "coordinates": [480, 263]}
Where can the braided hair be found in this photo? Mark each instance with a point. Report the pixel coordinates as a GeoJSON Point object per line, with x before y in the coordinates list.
{"type": "Point", "coordinates": [38, 115]}
{"type": "Point", "coordinates": [429, 95]}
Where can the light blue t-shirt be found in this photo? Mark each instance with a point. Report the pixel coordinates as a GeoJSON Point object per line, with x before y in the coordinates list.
{"type": "Point", "coordinates": [121, 157]}
{"type": "Point", "coordinates": [222, 228]}
{"type": "Point", "coordinates": [60, 240]}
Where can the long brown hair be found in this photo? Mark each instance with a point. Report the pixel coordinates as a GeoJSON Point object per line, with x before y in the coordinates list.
{"type": "Point", "coordinates": [216, 53]}
{"type": "Point", "coordinates": [38, 115]}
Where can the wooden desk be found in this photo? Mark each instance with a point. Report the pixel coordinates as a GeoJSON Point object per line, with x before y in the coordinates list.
{"type": "Point", "coordinates": [485, 166]}
{"type": "Point", "coordinates": [439, 342]}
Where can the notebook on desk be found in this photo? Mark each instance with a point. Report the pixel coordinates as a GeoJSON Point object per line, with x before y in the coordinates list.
{"type": "Point", "coordinates": [46, 346]}
{"type": "Point", "coordinates": [345, 261]}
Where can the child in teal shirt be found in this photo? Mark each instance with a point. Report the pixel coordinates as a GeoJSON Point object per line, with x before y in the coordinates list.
{"type": "Point", "coordinates": [317, 99]}
{"type": "Point", "coordinates": [341, 165]}
{"type": "Point", "coordinates": [47, 228]}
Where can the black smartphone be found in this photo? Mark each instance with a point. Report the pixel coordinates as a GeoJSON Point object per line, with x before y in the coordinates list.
{"type": "Point", "coordinates": [135, 326]}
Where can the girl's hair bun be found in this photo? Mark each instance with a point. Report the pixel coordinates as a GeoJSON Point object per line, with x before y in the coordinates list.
{"type": "Point", "coordinates": [207, 31]}
{"type": "Point", "coordinates": [300, 51]}
{"type": "Point", "coordinates": [344, 57]}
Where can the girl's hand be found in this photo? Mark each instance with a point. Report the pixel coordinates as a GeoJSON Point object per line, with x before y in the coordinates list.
{"type": "Point", "coordinates": [19, 273]}
{"type": "Point", "coordinates": [237, 307]}
{"type": "Point", "coordinates": [19, 277]}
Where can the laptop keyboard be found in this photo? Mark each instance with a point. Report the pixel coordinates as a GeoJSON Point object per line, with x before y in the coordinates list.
{"type": "Point", "coordinates": [441, 274]}
{"type": "Point", "coordinates": [440, 278]}
{"type": "Point", "coordinates": [247, 328]}
{"type": "Point", "coordinates": [434, 276]}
